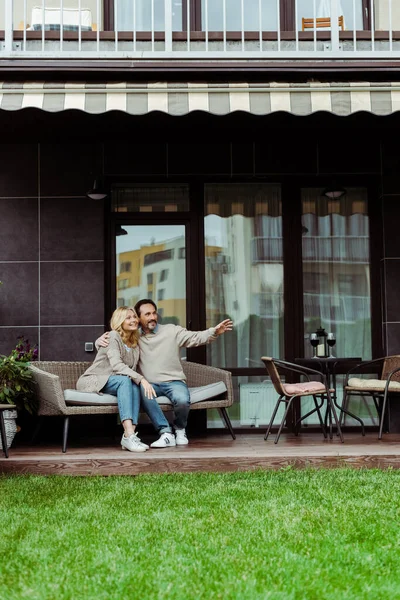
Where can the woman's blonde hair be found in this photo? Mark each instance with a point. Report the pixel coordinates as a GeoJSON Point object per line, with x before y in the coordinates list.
{"type": "Point", "coordinates": [118, 317]}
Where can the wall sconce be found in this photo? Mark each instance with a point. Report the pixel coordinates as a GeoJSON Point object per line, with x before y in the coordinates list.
{"type": "Point", "coordinates": [334, 192]}
{"type": "Point", "coordinates": [119, 230]}
{"type": "Point", "coordinates": [97, 192]}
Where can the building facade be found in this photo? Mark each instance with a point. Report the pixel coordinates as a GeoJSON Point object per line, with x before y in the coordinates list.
{"type": "Point", "coordinates": [250, 160]}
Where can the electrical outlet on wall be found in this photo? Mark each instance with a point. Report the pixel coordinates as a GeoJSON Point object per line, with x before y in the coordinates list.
{"type": "Point", "coordinates": [89, 347]}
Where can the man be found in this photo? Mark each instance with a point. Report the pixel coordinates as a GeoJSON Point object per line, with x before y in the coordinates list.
{"type": "Point", "coordinates": [159, 363]}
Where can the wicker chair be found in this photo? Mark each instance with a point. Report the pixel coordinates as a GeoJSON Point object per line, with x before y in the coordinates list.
{"type": "Point", "coordinates": [387, 369]}
{"type": "Point", "coordinates": [319, 390]}
{"type": "Point", "coordinates": [52, 378]}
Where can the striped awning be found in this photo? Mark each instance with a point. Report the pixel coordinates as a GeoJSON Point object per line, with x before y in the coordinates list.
{"type": "Point", "coordinates": [216, 98]}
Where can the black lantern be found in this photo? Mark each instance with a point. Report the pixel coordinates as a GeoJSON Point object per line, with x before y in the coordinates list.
{"type": "Point", "coordinates": [322, 349]}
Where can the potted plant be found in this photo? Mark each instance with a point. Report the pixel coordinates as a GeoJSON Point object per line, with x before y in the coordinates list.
{"type": "Point", "coordinates": [16, 384]}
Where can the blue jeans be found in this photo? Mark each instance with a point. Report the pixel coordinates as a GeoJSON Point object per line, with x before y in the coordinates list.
{"type": "Point", "coordinates": [128, 395]}
{"type": "Point", "coordinates": [178, 393]}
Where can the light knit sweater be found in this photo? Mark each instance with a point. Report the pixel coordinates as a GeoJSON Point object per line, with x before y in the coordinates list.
{"type": "Point", "coordinates": [116, 359]}
{"type": "Point", "coordinates": [159, 358]}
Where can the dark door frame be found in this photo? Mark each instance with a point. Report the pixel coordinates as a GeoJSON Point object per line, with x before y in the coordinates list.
{"type": "Point", "coordinates": [292, 255]}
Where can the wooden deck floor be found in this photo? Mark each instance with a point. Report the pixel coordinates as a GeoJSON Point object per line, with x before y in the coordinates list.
{"type": "Point", "coordinates": [217, 452]}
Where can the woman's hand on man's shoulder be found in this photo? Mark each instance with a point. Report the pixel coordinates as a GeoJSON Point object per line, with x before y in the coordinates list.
{"type": "Point", "coordinates": [104, 340]}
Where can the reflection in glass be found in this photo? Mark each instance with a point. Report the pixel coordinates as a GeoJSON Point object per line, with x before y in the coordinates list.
{"type": "Point", "coordinates": [336, 270]}
{"type": "Point", "coordinates": [336, 273]}
{"type": "Point", "coordinates": [150, 265]}
{"type": "Point", "coordinates": [255, 399]}
{"type": "Point", "coordinates": [244, 271]}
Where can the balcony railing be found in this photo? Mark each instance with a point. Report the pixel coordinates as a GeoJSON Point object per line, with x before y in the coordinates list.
{"type": "Point", "coordinates": [336, 309]}
{"type": "Point", "coordinates": [200, 29]}
{"type": "Point", "coordinates": [343, 249]}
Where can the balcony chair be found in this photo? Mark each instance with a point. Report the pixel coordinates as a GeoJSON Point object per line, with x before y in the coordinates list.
{"type": "Point", "coordinates": [318, 22]}
{"type": "Point", "coordinates": [388, 369]}
{"type": "Point", "coordinates": [288, 392]}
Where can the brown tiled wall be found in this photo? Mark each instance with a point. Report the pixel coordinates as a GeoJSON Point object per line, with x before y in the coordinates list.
{"type": "Point", "coordinates": [51, 248]}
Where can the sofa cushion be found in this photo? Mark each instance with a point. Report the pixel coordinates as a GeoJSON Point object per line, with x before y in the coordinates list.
{"type": "Point", "coordinates": [374, 384]}
{"type": "Point", "coordinates": [88, 398]}
{"type": "Point", "coordinates": [197, 394]}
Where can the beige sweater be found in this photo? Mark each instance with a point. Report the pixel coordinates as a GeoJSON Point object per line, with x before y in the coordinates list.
{"type": "Point", "coordinates": [159, 358]}
{"type": "Point", "coordinates": [116, 359]}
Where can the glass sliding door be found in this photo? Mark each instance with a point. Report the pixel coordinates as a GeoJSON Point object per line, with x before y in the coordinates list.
{"type": "Point", "coordinates": [244, 281]}
{"type": "Point", "coordinates": [336, 274]}
{"type": "Point", "coordinates": [336, 270]}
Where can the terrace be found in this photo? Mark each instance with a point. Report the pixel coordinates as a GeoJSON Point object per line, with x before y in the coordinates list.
{"type": "Point", "coordinates": [216, 452]}
{"type": "Point", "coordinates": [201, 30]}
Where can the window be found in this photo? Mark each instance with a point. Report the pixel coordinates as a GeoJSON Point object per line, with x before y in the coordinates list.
{"type": "Point", "coordinates": [182, 253]}
{"type": "Point", "coordinates": [305, 8]}
{"type": "Point", "coordinates": [148, 15]}
{"type": "Point", "coordinates": [125, 267]}
{"type": "Point", "coordinates": [235, 15]}
{"type": "Point", "coordinates": [152, 249]}
{"type": "Point", "coordinates": [155, 257]}
{"type": "Point", "coordinates": [163, 275]}
{"type": "Point", "coordinates": [212, 12]}
{"type": "Point", "coordinates": [315, 282]}
{"type": "Point", "coordinates": [123, 284]}
{"type": "Point", "coordinates": [152, 198]}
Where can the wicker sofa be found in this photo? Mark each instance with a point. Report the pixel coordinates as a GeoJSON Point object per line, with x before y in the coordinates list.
{"type": "Point", "coordinates": [53, 377]}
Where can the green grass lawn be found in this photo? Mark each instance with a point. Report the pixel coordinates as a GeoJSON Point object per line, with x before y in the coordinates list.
{"type": "Point", "coordinates": [267, 534]}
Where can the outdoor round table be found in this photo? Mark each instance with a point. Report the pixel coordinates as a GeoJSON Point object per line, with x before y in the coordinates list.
{"type": "Point", "coordinates": [331, 366]}
{"type": "Point", "coordinates": [4, 407]}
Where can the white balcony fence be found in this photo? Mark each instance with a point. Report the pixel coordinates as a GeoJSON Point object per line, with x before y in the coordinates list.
{"type": "Point", "coordinates": [352, 249]}
{"type": "Point", "coordinates": [200, 29]}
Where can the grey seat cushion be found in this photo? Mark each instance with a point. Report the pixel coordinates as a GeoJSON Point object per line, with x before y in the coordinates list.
{"type": "Point", "coordinates": [88, 398]}
{"type": "Point", "coordinates": [197, 394]}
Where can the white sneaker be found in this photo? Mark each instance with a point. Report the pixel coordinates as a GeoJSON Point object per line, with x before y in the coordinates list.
{"type": "Point", "coordinates": [166, 440]}
{"type": "Point", "coordinates": [141, 443]}
{"type": "Point", "coordinates": [132, 443]}
{"type": "Point", "coordinates": [181, 437]}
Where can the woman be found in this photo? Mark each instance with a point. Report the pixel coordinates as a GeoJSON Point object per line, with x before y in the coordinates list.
{"type": "Point", "coordinates": [113, 372]}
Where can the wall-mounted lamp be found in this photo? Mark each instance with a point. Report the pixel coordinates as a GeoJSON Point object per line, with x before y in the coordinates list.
{"type": "Point", "coordinates": [119, 230]}
{"type": "Point", "coordinates": [97, 192]}
{"type": "Point", "coordinates": [334, 192]}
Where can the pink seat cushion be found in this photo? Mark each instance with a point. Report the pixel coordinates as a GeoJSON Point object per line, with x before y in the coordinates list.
{"type": "Point", "coordinates": [302, 388]}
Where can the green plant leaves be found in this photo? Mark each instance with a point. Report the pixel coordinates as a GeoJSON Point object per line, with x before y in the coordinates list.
{"type": "Point", "coordinates": [16, 383]}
